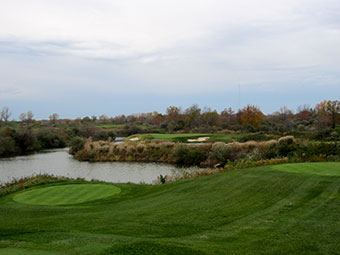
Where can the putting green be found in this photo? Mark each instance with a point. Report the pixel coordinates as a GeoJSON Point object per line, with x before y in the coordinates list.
{"type": "Point", "coordinates": [66, 194]}
{"type": "Point", "coordinates": [318, 168]}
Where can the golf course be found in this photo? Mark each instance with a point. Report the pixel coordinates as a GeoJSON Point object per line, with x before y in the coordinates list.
{"type": "Point", "coordinates": [185, 138]}
{"type": "Point", "coordinates": [281, 209]}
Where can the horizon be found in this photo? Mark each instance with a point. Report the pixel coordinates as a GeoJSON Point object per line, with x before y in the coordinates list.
{"type": "Point", "coordinates": [182, 109]}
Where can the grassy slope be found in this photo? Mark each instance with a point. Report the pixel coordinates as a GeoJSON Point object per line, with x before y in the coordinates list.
{"type": "Point", "coordinates": [184, 137]}
{"type": "Point", "coordinates": [251, 211]}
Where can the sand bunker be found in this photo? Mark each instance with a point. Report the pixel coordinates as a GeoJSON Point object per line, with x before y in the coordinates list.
{"type": "Point", "coordinates": [134, 139]}
{"type": "Point", "coordinates": [200, 139]}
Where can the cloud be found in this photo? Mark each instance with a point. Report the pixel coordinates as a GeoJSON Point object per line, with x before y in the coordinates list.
{"type": "Point", "coordinates": [55, 49]}
{"type": "Point", "coordinates": [115, 29]}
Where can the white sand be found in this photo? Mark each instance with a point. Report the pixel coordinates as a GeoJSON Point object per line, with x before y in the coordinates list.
{"type": "Point", "coordinates": [200, 139]}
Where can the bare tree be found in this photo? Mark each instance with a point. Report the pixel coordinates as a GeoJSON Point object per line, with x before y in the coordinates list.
{"type": "Point", "coordinates": [23, 117]}
{"type": "Point", "coordinates": [29, 116]}
{"type": "Point", "coordinates": [103, 118]}
{"type": "Point", "coordinates": [54, 117]}
{"type": "Point", "coordinates": [5, 114]}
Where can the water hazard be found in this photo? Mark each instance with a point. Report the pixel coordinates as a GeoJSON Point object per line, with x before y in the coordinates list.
{"type": "Point", "coordinates": [60, 163]}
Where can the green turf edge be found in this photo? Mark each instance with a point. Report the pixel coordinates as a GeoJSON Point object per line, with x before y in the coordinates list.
{"type": "Point", "coordinates": [18, 251]}
{"type": "Point", "coordinates": [310, 168]}
{"type": "Point", "coordinates": [70, 194]}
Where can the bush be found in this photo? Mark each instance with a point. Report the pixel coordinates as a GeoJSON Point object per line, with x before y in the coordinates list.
{"type": "Point", "coordinates": [8, 147]}
{"type": "Point", "coordinates": [317, 149]}
{"type": "Point", "coordinates": [256, 137]}
{"type": "Point", "coordinates": [180, 153]}
{"type": "Point", "coordinates": [25, 140]}
{"type": "Point", "coordinates": [49, 139]}
{"type": "Point", "coordinates": [104, 135]}
{"type": "Point", "coordinates": [221, 153]}
{"type": "Point", "coordinates": [77, 144]}
{"type": "Point", "coordinates": [185, 155]}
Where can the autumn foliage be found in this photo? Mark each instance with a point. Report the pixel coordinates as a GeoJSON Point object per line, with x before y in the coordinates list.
{"type": "Point", "coordinates": [330, 109]}
{"type": "Point", "coordinates": [250, 115]}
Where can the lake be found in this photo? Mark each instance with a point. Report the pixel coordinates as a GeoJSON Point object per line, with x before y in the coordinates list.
{"type": "Point", "coordinates": [60, 163]}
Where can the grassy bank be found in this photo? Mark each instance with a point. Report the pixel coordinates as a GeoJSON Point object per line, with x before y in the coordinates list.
{"type": "Point", "coordinates": [266, 210]}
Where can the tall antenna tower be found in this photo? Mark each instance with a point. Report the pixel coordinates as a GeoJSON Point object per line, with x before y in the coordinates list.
{"type": "Point", "coordinates": [239, 96]}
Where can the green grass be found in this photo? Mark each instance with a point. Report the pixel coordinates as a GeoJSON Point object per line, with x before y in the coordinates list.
{"type": "Point", "coordinates": [318, 168]}
{"type": "Point", "coordinates": [184, 137]}
{"type": "Point", "coordinates": [104, 125]}
{"type": "Point", "coordinates": [66, 194]}
{"type": "Point", "coordinates": [265, 210]}
{"type": "Point", "coordinates": [14, 251]}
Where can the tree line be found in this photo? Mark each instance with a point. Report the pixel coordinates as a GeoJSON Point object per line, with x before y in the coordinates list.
{"type": "Point", "coordinates": [324, 115]}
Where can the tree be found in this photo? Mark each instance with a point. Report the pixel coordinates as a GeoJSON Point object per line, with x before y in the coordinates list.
{"type": "Point", "coordinates": [331, 109]}
{"type": "Point", "coordinates": [174, 118]}
{"type": "Point", "coordinates": [157, 118]}
{"type": "Point", "coordinates": [94, 118]}
{"type": "Point", "coordinates": [173, 113]}
{"type": "Point", "coordinates": [86, 119]}
{"type": "Point", "coordinates": [228, 117]}
{"type": "Point", "coordinates": [29, 116]}
{"type": "Point", "coordinates": [304, 112]}
{"type": "Point", "coordinates": [250, 115]}
{"type": "Point", "coordinates": [54, 117]}
{"type": "Point", "coordinates": [285, 113]}
{"type": "Point", "coordinates": [5, 114]}
{"type": "Point", "coordinates": [103, 118]}
{"type": "Point", "coordinates": [192, 116]}
{"type": "Point", "coordinates": [23, 117]}
{"type": "Point", "coordinates": [211, 118]}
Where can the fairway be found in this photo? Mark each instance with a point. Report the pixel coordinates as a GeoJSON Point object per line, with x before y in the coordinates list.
{"type": "Point", "coordinates": [66, 194]}
{"type": "Point", "coordinates": [284, 209]}
{"type": "Point", "coordinates": [319, 168]}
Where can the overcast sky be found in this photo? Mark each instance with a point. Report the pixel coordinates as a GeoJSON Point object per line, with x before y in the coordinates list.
{"type": "Point", "coordinates": [92, 57]}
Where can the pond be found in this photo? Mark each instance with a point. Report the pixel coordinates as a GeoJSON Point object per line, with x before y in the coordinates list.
{"type": "Point", "coordinates": [60, 163]}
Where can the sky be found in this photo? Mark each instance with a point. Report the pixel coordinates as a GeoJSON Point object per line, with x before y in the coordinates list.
{"type": "Point", "coordinates": [91, 57]}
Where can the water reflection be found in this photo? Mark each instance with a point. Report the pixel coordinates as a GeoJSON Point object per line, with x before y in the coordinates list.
{"type": "Point", "coordinates": [60, 163]}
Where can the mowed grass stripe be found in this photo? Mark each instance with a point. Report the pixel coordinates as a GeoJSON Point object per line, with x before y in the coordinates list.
{"type": "Point", "coordinates": [55, 198]}
{"type": "Point", "coordinates": [318, 168]}
{"type": "Point", "coordinates": [38, 194]}
{"type": "Point", "coordinates": [89, 194]}
{"type": "Point", "coordinates": [66, 194]}
{"type": "Point", "coordinates": [71, 195]}
{"type": "Point", "coordinates": [59, 199]}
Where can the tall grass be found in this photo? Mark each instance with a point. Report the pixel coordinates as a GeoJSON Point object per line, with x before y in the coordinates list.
{"type": "Point", "coordinates": [207, 155]}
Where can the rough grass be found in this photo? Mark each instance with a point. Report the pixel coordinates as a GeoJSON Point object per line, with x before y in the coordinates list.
{"type": "Point", "coordinates": [66, 194]}
{"type": "Point", "coordinates": [184, 137]}
{"type": "Point", "coordinates": [250, 211]}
